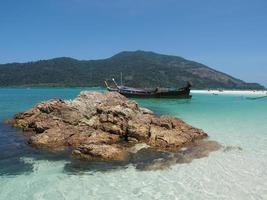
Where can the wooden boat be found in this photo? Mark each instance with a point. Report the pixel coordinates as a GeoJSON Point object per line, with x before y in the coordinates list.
{"type": "Point", "coordinates": [181, 93]}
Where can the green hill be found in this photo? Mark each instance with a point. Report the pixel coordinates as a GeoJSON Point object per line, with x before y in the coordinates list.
{"type": "Point", "coordinates": [139, 68]}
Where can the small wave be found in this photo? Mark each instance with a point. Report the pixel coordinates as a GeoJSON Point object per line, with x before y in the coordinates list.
{"type": "Point", "coordinates": [256, 98]}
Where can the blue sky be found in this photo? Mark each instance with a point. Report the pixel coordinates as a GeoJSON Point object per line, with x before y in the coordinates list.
{"type": "Point", "coordinates": [228, 35]}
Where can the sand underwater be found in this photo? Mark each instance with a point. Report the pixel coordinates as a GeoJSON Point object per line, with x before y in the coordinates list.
{"type": "Point", "coordinates": [236, 171]}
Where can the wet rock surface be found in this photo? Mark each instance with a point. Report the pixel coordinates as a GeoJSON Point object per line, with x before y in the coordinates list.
{"type": "Point", "coordinates": [103, 126]}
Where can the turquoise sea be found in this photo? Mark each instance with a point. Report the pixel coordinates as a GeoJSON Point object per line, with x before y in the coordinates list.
{"type": "Point", "coordinates": [236, 172]}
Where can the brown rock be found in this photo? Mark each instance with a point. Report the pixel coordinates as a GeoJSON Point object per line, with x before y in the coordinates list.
{"type": "Point", "coordinates": [101, 151]}
{"type": "Point", "coordinates": [102, 126]}
{"type": "Point", "coordinates": [138, 131]}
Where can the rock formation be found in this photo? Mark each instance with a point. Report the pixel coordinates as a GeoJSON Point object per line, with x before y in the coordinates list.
{"type": "Point", "coordinates": [102, 126]}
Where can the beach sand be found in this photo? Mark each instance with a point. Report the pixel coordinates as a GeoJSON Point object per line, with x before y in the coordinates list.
{"type": "Point", "coordinates": [232, 92]}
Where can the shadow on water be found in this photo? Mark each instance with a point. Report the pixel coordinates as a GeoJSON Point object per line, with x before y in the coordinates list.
{"type": "Point", "coordinates": [146, 159]}
{"type": "Point", "coordinates": [14, 147]}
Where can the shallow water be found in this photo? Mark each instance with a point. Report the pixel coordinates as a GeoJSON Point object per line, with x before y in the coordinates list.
{"type": "Point", "coordinates": [237, 171]}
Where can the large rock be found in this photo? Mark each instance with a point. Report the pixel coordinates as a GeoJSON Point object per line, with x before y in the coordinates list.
{"type": "Point", "coordinates": [102, 126]}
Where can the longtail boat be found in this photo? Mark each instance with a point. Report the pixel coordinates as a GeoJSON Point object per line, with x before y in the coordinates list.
{"type": "Point", "coordinates": [180, 93]}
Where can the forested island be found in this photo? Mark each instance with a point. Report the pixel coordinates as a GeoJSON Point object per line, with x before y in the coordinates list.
{"type": "Point", "coordinates": [139, 68]}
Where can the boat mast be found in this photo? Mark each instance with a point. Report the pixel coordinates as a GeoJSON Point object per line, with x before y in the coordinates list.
{"type": "Point", "coordinates": [115, 83]}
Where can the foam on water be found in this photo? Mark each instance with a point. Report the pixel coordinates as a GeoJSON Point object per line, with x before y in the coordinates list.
{"type": "Point", "coordinates": [237, 171]}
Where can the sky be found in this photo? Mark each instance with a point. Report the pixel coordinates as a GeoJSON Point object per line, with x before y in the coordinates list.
{"type": "Point", "coordinates": [228, 35]}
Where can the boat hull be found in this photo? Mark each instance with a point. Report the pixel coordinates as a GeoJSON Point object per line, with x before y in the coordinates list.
{"type": "Point", "coordinates": [169, 95]}
{"type": "Point", "coordinates": [176, 94]}
{"type": "Point", "coordinates": [159, 96]}
{"type": "Point", "coordinates": [181, 93]}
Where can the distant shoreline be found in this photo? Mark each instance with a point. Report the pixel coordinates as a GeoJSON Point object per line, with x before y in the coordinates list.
{"type": "Point", "coordinates": [237, 92]}
{"type": "Point", "coordinates": [193, 91]}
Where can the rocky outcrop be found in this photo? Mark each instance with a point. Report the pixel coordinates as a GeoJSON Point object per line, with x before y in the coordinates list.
{"type": "Point", "coordinates": [102, 126]}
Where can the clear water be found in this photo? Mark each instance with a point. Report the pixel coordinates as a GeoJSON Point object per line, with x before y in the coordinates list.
{"type": "Point", "coordinates": [232, 120]}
